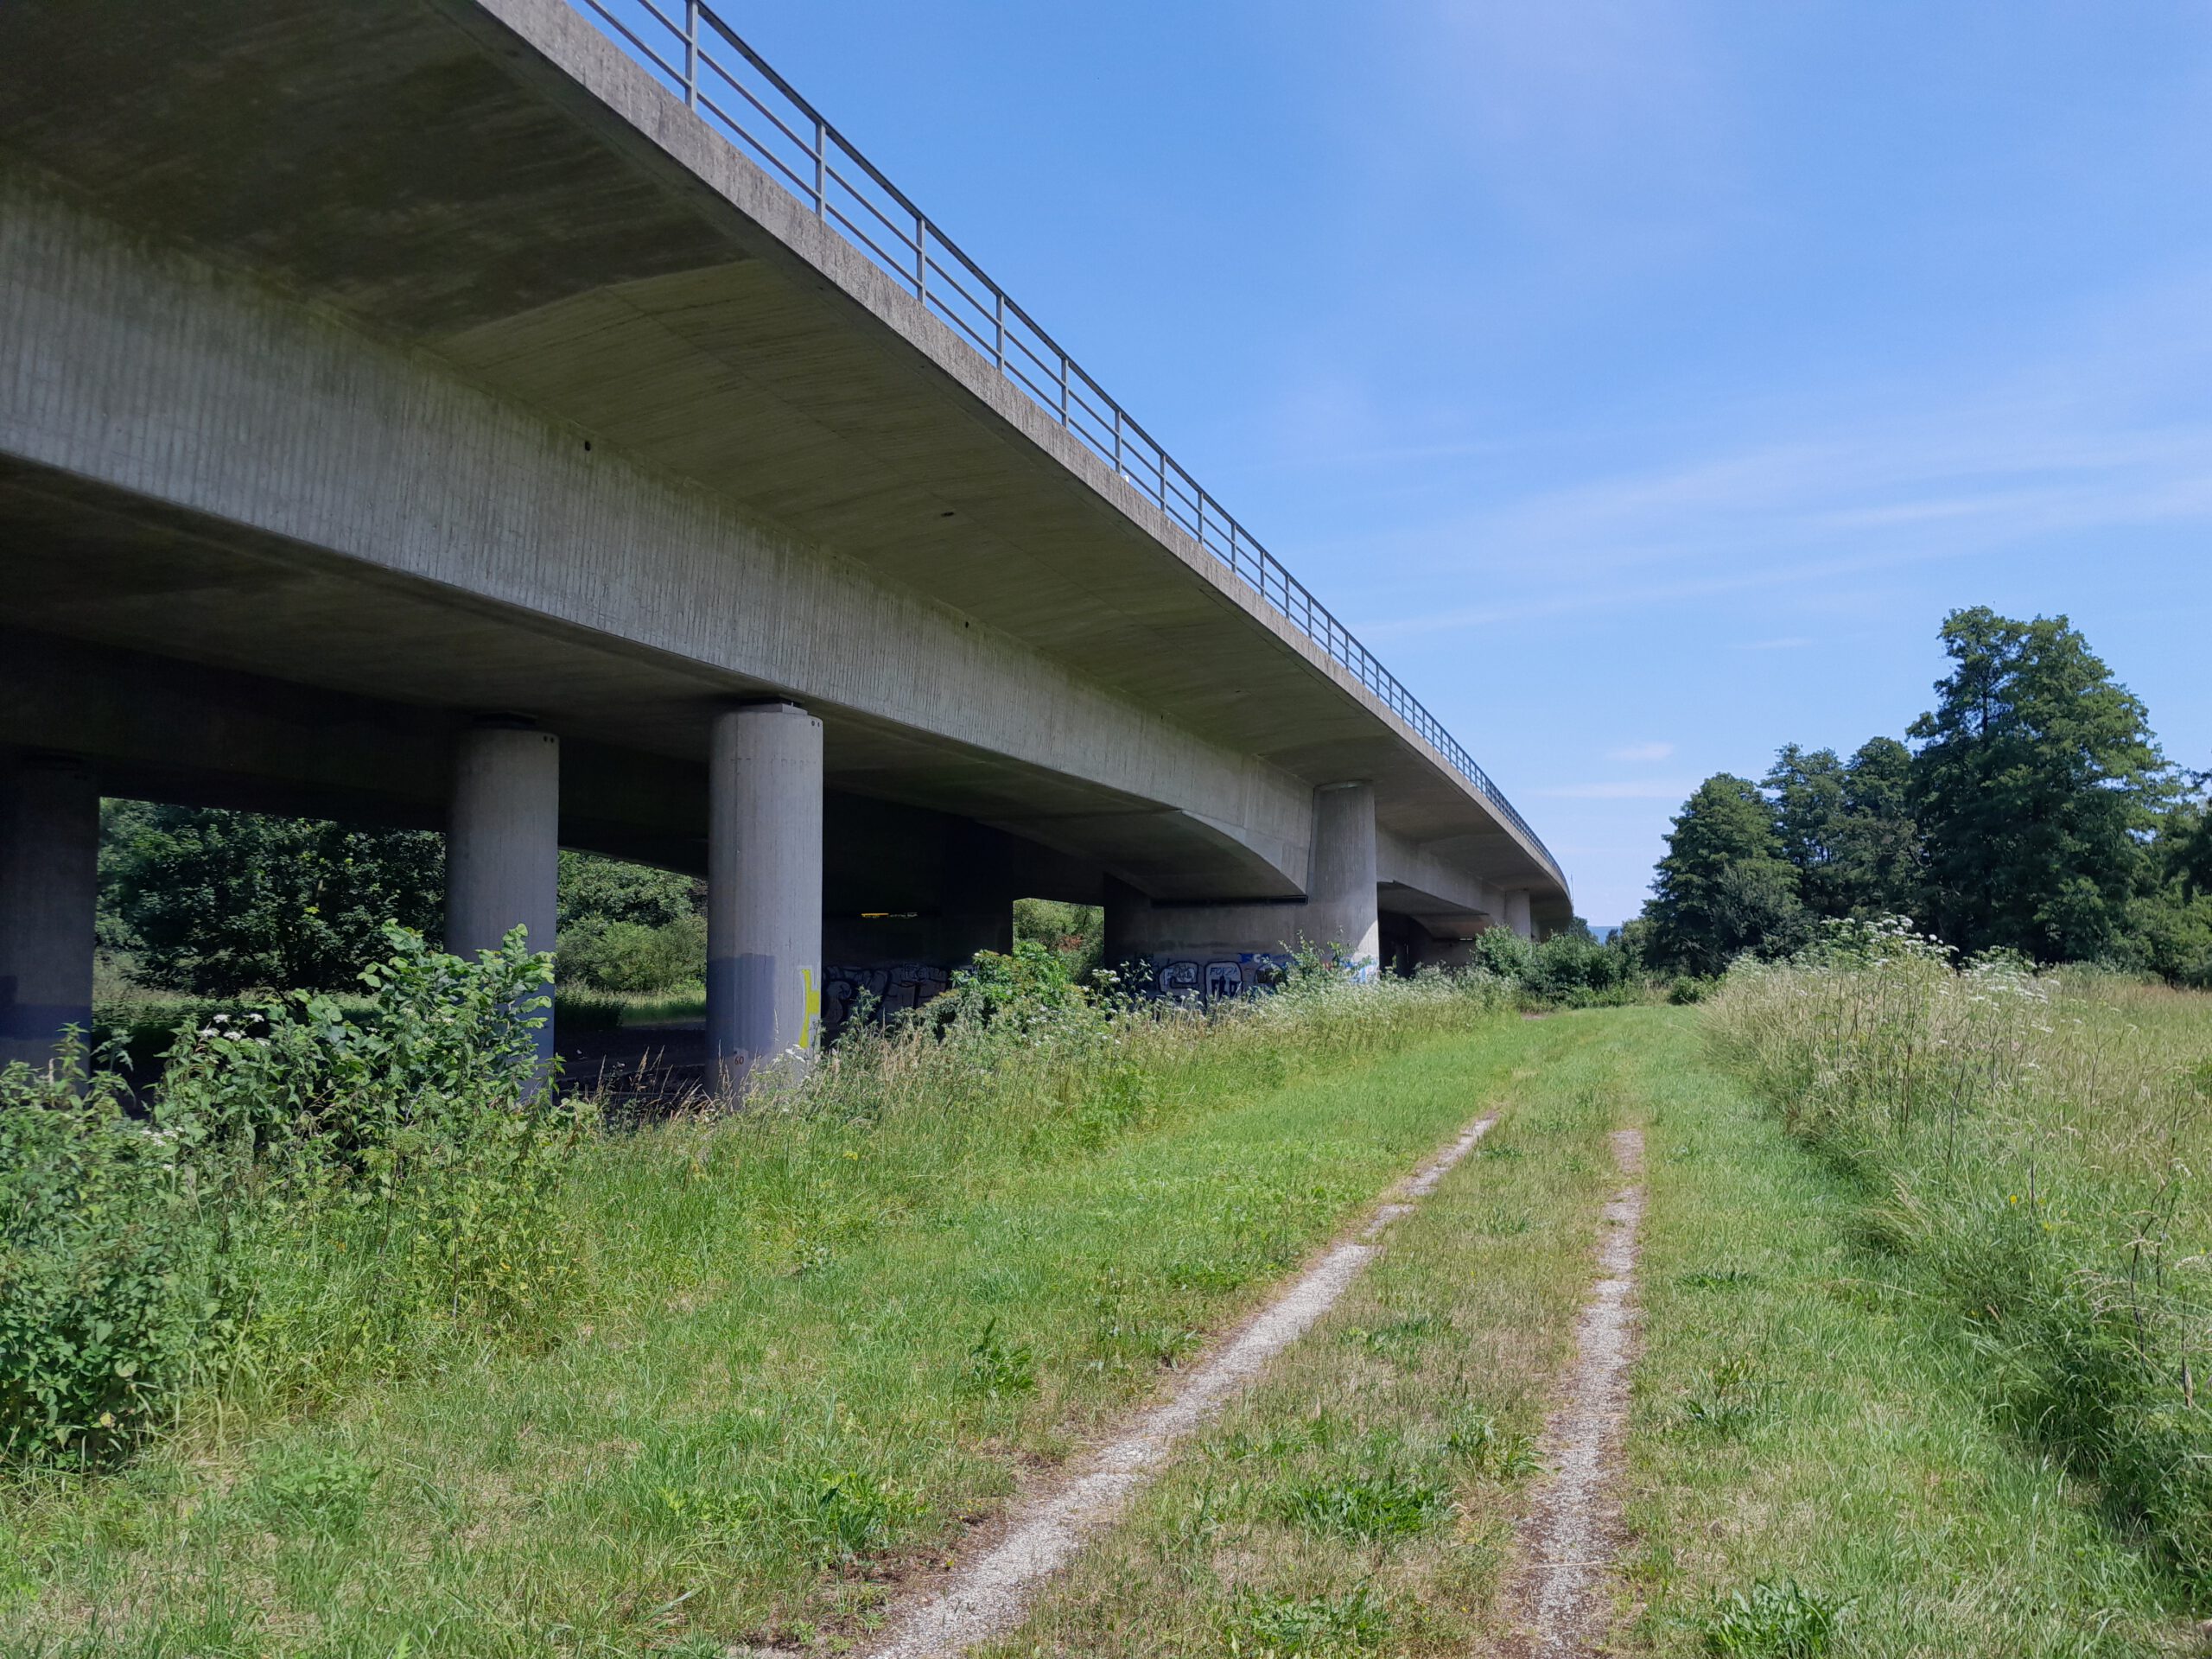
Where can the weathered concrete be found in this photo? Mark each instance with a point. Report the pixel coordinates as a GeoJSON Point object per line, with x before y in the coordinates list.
{"type": "Point", "coordinates": [503, 848]}
{"type": "Point", "coordinates": [515, 386]}
{"type": "Point", "coordinates": [1517, 913]}
{"type": "Point", "coordinates": [1341, 905]}
{"type": "Point", "coordinates": [49, 880]}
{"type": "Point", "coordinates": [763, 891]}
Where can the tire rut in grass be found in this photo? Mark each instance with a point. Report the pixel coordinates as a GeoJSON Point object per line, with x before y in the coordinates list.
{"type": "Point", "coordinates": [990, 1594]}
{"type": "Point", "coordinates": [1560, 1599]}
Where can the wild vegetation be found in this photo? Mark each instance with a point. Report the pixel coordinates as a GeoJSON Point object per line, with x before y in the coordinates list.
{"type": "Point", "coordinates": [307, 1201]}
{"type": "Point", "coordinates": [1809, 1469]}
{"type": "Point", "coordinates": [738, 1366]}
{"type": "Point", "coordinates": [2035, 814]}
{"type": "Point", "coordinates": [2038, 1140]}
{"type": "Point", "coordinates": [1813, 1466]}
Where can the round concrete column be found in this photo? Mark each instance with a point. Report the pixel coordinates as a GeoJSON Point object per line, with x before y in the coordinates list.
{"type": "Point", "coordinates": [503, 843]}
{"type": "Point", "coordinates": [764, 892]}
{"type": "Point", "coordinates": [1340, 909]}
{"type": "Point", "coordinates": [49, 879]}
{"type": "Point", "coordinates": [1517, 915]}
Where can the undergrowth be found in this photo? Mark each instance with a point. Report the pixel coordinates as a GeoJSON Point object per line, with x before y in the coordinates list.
{"type": "Point", "coordinates": [2039, 1140]}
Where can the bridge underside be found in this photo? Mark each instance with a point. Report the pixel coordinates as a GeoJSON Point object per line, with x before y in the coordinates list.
{"type": "Point", "coordinates": [412, 363]}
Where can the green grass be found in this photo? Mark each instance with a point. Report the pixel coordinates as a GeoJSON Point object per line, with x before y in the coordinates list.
{"type": "Point", "coordinates": [1810, 1434]}
{"type": "Point", "coordinates": [1810, 1468]}
{"type": "Point", "coordinates": [1362, 1499]}
{"type": "Point", "coordinates": [818, 1346]}
{"type": "Point", "coordinates": [2039, 1144]}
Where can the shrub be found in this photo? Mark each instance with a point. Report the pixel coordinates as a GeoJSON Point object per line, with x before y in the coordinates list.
{"type": "Point", "coordinates": [313, 1197]}
{"type": "Point", "coordinates": [103, 1311]}
{"type": "Point", "coordinates": [637, 958]}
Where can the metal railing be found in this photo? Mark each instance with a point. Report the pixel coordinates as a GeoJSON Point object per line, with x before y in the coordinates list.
{"type": "Point", "coordinates": [700, 59]}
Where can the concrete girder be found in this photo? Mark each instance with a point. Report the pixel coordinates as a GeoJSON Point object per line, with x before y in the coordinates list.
{"type": "Point", "coordinates": [577, 241]}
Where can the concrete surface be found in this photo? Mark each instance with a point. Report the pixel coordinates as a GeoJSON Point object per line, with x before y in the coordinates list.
{"type": "Point", "coordinates": [366, 371]}
{"type": "Point", "coordinates": [49, 846]}
{"type": "Point", "coordinates": [763, 891]}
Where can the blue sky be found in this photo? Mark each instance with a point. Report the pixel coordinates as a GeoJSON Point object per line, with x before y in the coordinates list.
{"type": "Point", "coordinates": [1641, 380]}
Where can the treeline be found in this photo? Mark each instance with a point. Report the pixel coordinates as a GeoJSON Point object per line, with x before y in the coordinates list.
{"type": "Point", "coordinates": [218, 903]}
{"type": "Point", "coordinates": [2031, 810]}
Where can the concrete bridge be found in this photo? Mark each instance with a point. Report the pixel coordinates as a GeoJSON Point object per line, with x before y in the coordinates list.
{"type": "Point", "coordinates": [531, 419]}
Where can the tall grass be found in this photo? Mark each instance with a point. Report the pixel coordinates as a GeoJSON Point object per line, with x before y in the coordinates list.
{"type": "Point", "coordinates": [2043, 1140]}
{"type": "Point", "coordinates": [802, 1343]}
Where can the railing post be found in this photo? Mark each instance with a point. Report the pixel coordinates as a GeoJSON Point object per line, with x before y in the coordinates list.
{"type": "Point", "coordinates": [998, 314]}
{"type": "Point", "coordinates": [1118, 440]}
{"type": "Point", "coordinates": [1064, 388]}
{"type": "Point", "coordinates": [691, 55]}
{"type": "Point", "coordinates": [820, 168]}
{"type": "Point", "coordinates": [921, 260]}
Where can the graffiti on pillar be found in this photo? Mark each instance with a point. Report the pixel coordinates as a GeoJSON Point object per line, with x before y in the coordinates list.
{"type": "Point", "coordinates": [1208, 980]}
{"type": "Point", "coordinates": [1179, 981]}
{"type": "Point", "coordinates": [887, 988]}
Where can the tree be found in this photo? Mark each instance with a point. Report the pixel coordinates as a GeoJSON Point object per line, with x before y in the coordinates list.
{"type": "Point", "coordinates": [1847, 828]}
{"type": "Point", "coordinates": [1878, 845]}
{"type": "Point", "coordinates": [629, 927]}
{"type": "Point", "coordinates": [217, 902]}
{"type": "Point", "coordinates": [1808, 789]}
{"type": "Point", "coordinates": [2036, 781]}
{"type": "Point", "coordinates": [1724, 886]}
{"type": "Point", "coordinates": [2169, 925]}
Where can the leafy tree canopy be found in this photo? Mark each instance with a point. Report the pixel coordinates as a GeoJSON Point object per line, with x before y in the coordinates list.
{"type": "Point", "coordinates": [219, 902]}
{"type": "Point", "coordinates": [2036, 784]}
{"type": "Point", "coordinates": [1724, 886]}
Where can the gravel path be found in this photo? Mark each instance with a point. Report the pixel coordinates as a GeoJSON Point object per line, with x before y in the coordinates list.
{"type": "Point", "coordinates": [990, 1594]}
{"type": "Point", "coordinates": [1568, 1540]}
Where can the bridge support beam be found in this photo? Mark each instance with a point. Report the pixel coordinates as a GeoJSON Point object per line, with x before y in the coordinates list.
{"type": "Point", "coordinates": [49, 858]}
{"type": "Point", "coordinates": [1341, 912]}
{"type": "Point", "coordinates": [503, 842]}
{"type": "Point", "coordinates": [763, 891]}
{"type": "Point", "coordinates": [1124, 912]}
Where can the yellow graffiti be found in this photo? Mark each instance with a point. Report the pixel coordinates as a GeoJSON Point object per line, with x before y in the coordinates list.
{"type": "Point", "coordinates": [810, 1004]}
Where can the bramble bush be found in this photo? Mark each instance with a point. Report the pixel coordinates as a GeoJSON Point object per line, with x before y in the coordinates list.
{"type": "Point", "coordinates": [311, 1199]}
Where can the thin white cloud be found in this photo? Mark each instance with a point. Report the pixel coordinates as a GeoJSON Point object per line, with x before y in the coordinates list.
{"type": "Point", "coordinates": [1642, 752]}
{"type": "Point", "coordinates": [2094, 437]}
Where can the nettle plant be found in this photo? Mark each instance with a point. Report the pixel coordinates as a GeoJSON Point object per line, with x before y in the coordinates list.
{"type": "Point", "coordinates": [103, 1298]}
{"type": "Point", "coordinates": [310, 1196]}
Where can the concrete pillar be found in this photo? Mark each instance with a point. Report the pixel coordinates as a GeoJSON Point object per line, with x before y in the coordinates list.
{"type": "Point", "coordinates": [1340, 909]}
{"type": "Point", "coordinates": [1518, 917]}
{"type": "Point", "coordinates": [1124, 908]}
{"type": "Point", "coordinates": [763, 891]}
{"type": "Point", "coordinates": [49, 882]}
{"type": "Point", "coordinates": [977, 906]}
{"type": "Point", "coordinates": [503, 842]}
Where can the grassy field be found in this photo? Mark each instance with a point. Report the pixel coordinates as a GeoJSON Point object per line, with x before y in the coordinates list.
{"type": "Point", "coordinates": [1808, 1435]}
{"type": "Point", "coordinates": [2040, 1145]}
{"type": "Point", "coordinates": [1812, 1412]}
{"type": "Point", "coordinates": [818, 1345]}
